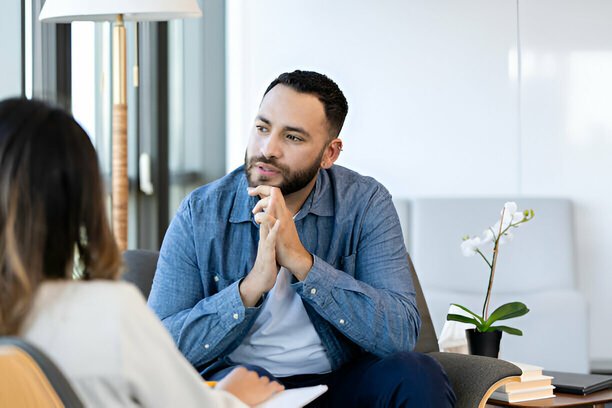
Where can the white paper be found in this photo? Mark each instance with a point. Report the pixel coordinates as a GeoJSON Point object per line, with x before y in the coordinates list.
{"type": "Point", "coordinates": [294, 398]}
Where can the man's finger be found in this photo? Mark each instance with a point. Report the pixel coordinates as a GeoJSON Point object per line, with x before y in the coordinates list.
{"type": "Point", "coordinates": [261, 205]}
{"type": "Point", "coordinates": [264, 231]}
{"type": "Point", "coordinates": [275, 204]}
{"type": "Point", "coordinates": [262, 190]}
{"type": "Point", "coordinates": [274, 232]}
{"type": "Point", "coordinates": [264, 218]}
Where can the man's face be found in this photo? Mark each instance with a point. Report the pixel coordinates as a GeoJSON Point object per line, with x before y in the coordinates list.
{"type": "Point", "coordinates": [288, 140]}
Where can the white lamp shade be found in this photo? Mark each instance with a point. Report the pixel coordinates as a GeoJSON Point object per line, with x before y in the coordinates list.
{"type": "Point", "coordinates": [66, 11]}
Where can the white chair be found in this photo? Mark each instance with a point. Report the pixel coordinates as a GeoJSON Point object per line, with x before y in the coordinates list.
{"type": "Point", "coordinates": [537, 267]}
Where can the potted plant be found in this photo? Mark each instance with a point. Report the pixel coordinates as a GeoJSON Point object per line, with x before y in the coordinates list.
{"type": "Point", "coordinates": [485, 337]}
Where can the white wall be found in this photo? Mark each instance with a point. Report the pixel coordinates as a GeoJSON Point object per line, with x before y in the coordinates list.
{"type": "Point", "coordinates": [566, 110]}
{"type": "Point", "coordinates": [456, 99]}
{"type": "Point", "coordinates": [10, 49]}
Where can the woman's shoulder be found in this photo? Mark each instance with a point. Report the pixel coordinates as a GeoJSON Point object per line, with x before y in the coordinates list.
{"type": "Point", "coordinates": [96, 300]}
{"type": "Point", "coordinates": [87, 292]}
{"type": "Point", "coordinates": [87, 310]}
{"type": "Point", "coordinates": [121, 290]}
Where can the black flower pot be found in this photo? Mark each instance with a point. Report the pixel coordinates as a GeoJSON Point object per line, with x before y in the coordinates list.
{"type": "Point", "coordinates": [483, 344]}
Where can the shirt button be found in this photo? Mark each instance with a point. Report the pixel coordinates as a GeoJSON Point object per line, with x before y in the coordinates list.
{"type": "Point", "coordinates": [216, 278]}
{"type": "Point", "coordinates": [341, 321]}
{"type": "Point", "coordinates": [235, 316]}
{"type": "Point", "coordinates": [313, 291]}
{"type": "Point", "coordinates": [207, 346]}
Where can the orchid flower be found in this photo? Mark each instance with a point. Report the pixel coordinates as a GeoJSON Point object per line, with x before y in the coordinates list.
{"type": "Point", "coordinates": [497, 234]}
{"type": "Point", "coordinates": [470, 246]}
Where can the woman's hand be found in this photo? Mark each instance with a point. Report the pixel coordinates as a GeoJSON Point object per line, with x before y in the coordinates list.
{"type": "Point", "coordinates": [248, 386]}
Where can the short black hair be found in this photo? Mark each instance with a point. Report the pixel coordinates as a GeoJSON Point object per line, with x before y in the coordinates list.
{"type": "Point", "coordinates": [326, 90]}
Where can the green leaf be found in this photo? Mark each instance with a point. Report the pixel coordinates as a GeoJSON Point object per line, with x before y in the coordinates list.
{"type": "Point", "coordinates": [509, 330]}
{"type": "Point", "coordinates": [507, 311]}
{"type": "Point", "coordinates": [463, 319]}
{"type": "Point", "coordinates": [480, 319]}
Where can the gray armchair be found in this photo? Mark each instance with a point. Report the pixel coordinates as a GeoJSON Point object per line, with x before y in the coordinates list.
{"type": "Point", "coordinates": [473, 378]}
{"type": "Point", "coordinates": [140, 269]}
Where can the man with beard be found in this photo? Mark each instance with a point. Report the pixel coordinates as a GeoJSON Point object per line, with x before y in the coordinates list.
{"type": "Point", "coordinates": [296, 267]}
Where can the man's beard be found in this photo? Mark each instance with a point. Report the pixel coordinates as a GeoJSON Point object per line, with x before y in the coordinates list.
{"type": "Point", "coordinates": [292, 181]}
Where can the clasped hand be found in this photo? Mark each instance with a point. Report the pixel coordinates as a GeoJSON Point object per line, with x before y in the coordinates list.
{"type": "Point", "coordinates": [279, 245]}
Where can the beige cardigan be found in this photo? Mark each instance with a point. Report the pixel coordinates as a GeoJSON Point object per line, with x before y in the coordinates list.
{"type": "Point", "coordinates": [113, 349]}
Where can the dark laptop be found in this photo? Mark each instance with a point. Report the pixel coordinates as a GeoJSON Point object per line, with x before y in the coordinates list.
{"type": "Point", "coordinates": [573, 383]}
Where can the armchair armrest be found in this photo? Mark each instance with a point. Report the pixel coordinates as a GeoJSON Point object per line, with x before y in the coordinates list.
{"type": "Point", "coordinates": [474, 378]}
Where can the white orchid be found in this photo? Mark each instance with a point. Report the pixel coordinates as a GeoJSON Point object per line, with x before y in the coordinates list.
{"type": "Point", "coordinates": [510, 208]}
{"type": "Point", "coordinates": [498, 234]}
{"type": "Point", "coordinates": [470, 246]}
{"type": "Point", "coordinates": [488, 236]}
{"type": "Point", "coordinates": [518, 216]}
{"type": "Point", "coordinates": [510, 218]}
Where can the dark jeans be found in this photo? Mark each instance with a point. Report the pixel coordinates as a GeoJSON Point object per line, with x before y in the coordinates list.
{"type": "Point", "coordinates": [401, 380]}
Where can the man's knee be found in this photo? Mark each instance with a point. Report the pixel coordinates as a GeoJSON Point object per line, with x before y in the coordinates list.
{"type": "Point", "coordinates": [418, 377]}
{"type": "Point", "coordinates": [416, 367]}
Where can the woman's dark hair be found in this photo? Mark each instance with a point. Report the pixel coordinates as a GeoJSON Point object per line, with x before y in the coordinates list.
{"type": "Point", "coordinates": [328, 92]}
{"type": "Point", "coordinates": [51, 205]}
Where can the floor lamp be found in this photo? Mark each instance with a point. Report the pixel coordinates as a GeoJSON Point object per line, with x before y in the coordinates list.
{"type": "Point", "coordinates": [118, 11]}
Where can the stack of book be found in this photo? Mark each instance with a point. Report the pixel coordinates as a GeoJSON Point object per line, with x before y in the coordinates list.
{"type": "Point", "coordinates": [532, 386]}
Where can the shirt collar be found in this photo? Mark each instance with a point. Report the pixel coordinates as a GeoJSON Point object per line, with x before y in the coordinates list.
{"type": "Point", "coordinates": [243, 202]}
{"type": "Point", "coordinates": [319, 202]}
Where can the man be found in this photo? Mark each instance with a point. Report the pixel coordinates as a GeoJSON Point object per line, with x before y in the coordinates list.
{"type": "Point", "coordinates": [296, 267]}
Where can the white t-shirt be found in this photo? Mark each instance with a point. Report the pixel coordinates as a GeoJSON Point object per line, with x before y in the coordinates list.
{"type": "Point", "coordinates": [113, 349]}
{"type": "Point", "coordinates": [283, 339]}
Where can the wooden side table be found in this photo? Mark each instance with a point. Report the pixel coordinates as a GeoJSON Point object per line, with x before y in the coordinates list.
{"type": "Point", "coordinates": [594, 400]}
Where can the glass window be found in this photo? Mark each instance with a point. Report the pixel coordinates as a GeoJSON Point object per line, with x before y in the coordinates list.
{"type": "Point", "coordinates": [196, 77]}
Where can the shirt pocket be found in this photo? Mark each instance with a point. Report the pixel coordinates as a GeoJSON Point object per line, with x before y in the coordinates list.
{"type": "Point", "coordinates": [347, 264]}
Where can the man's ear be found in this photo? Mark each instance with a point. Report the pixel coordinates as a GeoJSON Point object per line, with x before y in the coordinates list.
{"type": "Point", "coordinates": [332, 151]}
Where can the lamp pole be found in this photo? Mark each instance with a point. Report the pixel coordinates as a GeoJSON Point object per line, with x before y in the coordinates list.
{"type": "Point", "coordinates": [66, 11]}
{"type": "Point", "coordinates": [120, 184]}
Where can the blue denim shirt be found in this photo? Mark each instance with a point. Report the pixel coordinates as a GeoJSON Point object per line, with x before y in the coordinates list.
{"type": "Point", "coordinates": [359, 293]}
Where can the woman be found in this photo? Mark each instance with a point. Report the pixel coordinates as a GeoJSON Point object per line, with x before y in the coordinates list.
{"type": "Point", "coordinates": [99, 331]}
